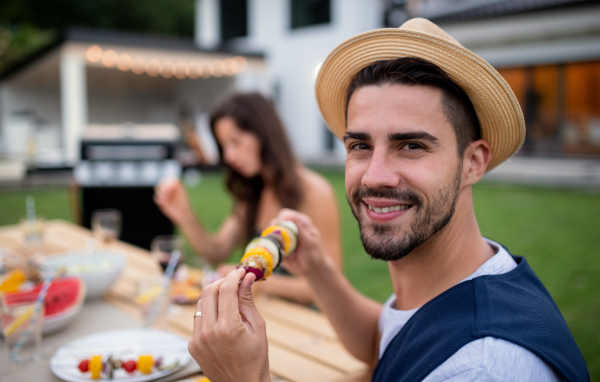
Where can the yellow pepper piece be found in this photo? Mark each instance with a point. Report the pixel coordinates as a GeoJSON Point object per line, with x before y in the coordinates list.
{"type": "Point", "coordinates": [145, 363]}
{"type": "Point", "coordinates": [287, 241]}
{"type": "Point", "coordinates": [12, 280]}
{"type": "Point", "coordinates": [95, 366]}
{"type": "Point", "coordinates": [265, 254]}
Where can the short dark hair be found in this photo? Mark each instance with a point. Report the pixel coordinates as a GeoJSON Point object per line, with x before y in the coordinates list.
{"type": "Point", "coordinates": [414, 71]}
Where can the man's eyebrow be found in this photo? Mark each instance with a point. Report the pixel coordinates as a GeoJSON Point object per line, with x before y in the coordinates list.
{"type": "Point", "coordinates": [357, 136]}
{"type": "Point", "coordinates": [413, 135]}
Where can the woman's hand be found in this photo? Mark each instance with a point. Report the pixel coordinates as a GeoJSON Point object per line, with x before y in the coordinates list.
{"type": "Point", "coordinates": [172, 199]}
{"type": "Point", "coordinates": [229, 341]}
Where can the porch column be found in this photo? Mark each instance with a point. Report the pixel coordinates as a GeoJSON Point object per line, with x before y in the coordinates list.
{"type": "Point", "coordinates": [207, 25]}
{"type": "Point", "coordinates": [73, 99]}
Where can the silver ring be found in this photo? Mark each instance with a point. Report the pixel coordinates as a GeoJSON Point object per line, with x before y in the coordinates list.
{"type": "Point", "coordinates": [197, 314]}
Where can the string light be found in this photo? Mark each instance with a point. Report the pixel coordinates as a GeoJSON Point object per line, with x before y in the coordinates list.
{"type": "Point", "coordinates": [94, 53]}
{"type": "Point", "coordinates": [109, 58]}
{"type": "Point", "coordinates": [154, 67]}
{"type": "Point", "coordinates": [167, 69]}
{"type": "Point", "coordinates": [139, 65]}
{"type": "Point", "coordinates": [180, 70]}
{"type": "Point", "coordinates": [192, 70]}
{"type": "Point", "coordinates": [124, 62]}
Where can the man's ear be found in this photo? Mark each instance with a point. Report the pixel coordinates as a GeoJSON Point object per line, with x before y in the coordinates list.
{"type": "Point", "coordinates": [475, 161]}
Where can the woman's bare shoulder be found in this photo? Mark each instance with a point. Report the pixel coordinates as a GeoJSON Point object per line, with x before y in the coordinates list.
{"type": "Point", "coordinates": [316, 186]}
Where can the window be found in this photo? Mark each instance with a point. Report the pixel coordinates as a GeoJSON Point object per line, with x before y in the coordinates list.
{"type": "Point", "coordinates": [561, 106]}
{"type": "Point", "coordinates": [305, 13]}
{"type": "Point", "coordinates": [234, 19]}
{"type": "Point", "coordinates": [329, 139]}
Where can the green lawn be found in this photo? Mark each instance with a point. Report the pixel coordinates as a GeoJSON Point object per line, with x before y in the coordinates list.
{"type": "Point", "coordinates": [557, 230]}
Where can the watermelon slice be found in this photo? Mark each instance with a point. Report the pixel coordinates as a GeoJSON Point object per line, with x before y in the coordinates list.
{"type": "Point", "coordinates": [63, 301]}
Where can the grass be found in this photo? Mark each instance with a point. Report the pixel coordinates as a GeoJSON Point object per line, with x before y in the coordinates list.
{"type": "Point", "coordinates": [557, 230]}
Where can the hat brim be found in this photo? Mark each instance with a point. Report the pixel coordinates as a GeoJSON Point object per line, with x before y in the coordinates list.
{"type": "Point", "coordinates": [497, 108]}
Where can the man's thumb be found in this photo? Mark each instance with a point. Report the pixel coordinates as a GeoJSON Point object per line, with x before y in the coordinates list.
{"type": "Point", "coordinates": [246, 301]}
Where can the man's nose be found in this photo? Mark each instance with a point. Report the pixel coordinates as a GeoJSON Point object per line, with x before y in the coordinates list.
{"type": "Point", "coordinates": [381, 171]}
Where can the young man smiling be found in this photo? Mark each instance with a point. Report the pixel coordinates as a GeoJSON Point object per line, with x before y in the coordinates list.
{"type": "Point", "coordinates": [422, 120]}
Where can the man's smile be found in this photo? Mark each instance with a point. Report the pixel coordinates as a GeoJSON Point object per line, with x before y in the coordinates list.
{"type": "Point", "coordinates": [385, 210]}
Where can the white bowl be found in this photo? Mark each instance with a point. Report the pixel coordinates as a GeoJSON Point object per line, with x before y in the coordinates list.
{"type": "Point", "coordinates": [57, 322]}
{"type": "Point", "coordinates": [98, 270]}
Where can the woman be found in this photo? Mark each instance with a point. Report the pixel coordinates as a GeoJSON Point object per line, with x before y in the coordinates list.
{"type": "Point", "coordinates": [263, 177]}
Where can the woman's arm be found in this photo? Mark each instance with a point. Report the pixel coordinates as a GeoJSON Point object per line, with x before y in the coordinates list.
{"type": "Point", "coordinates": [321, 206]}
{"type": "Point", "coordinates": [172, 198]}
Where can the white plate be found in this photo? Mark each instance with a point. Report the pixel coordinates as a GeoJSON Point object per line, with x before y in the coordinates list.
{"type": "Point", "coordinates": [122, 344]}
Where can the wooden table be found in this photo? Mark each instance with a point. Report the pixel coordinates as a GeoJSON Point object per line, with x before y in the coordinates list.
{"type": "Point", "coordinates": [302, 344]}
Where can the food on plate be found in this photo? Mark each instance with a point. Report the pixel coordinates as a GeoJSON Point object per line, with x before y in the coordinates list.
{"type": "Point", "coordinates": [99, 368]}
{"type": "Point", "coordinates": [64, 295]}
{"type": "Point", "coordinates": [12, 281]}
{"type": "Point", "coordinates": [264, 254]}
{"type": "Point", "coordinates": [25, 265]}
{"type": "Point", "coordinates": [182, 292]}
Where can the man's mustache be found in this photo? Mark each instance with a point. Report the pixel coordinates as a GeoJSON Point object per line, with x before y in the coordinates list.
{"type": "Point", "coordinates": [385, 193]}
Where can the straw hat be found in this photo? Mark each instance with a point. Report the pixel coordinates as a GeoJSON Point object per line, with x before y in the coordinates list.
{"type": "Point", "coordinates": [499, 113]}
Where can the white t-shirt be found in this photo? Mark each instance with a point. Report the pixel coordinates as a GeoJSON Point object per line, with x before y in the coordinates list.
{"type": "Point", "coordinates": [485, 359]}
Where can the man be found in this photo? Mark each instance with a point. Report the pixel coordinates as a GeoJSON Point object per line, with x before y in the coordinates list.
{"type": "Point", "coordinates": [422, 120]}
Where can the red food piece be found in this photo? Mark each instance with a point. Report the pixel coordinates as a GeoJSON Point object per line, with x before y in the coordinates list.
{"type": "Point", "coordinates": [63, 294]}
{"type": "Point", "coordinates": [84, 366]}
{"type": "Point", "coordinates": [257, 272]}
{"type": "Point", "coordinates": [130, 366]}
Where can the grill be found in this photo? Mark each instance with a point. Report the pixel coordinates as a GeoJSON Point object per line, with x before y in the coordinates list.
{"type": "Point", "coordinates": [119, 167]}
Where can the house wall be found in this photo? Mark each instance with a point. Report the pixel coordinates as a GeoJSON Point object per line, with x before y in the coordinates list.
{"type": "Point", "coordinates": [22, 137]}
{"type": "Point", "coordinates": [293, 56]}
{"type": "Point", "coordinates": [546, 37]}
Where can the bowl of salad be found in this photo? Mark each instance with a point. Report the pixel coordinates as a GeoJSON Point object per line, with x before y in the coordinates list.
{"type": "Point", "coordinates": [98, 269]}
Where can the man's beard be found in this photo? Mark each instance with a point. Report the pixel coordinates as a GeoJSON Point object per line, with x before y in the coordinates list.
{"type": "Point", "coordinates": [382, 241]}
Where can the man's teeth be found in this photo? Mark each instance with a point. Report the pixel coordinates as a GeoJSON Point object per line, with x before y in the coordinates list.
{"type": "Point", "coordinates": [385, 210]}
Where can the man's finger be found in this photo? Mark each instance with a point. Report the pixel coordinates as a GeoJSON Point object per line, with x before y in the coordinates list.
{"type": "Point", "coordinates": [209, 303]}
{"type": "Point", "coordinates": [246, 302]}
{"type": "Point", "coordinates": [228, 298]}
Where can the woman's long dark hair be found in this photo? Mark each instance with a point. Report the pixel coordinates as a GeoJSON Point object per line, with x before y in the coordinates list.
{"type": "Point", "coordinates": [254, 113]}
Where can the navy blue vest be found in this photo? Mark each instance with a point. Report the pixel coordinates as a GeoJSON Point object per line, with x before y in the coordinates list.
{"type": "Point", "coordinates": [514, 306]}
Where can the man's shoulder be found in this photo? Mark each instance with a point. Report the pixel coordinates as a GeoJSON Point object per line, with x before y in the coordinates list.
{"type": "Point", "coordinates": [496, 359]}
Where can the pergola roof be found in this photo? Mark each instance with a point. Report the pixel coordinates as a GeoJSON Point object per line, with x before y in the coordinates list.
{"type": "Point", "coordinates": [129, 46]}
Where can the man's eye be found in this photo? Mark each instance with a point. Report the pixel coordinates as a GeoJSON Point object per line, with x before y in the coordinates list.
{"type": "Point", "coordinates": [358, 146]}
{"type": "Point", "coordinates": [413, 146]}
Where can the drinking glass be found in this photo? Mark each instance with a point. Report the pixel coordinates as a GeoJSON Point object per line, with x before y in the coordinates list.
{"type": "Point", "coordinates": [21, 320]}
{"type": "Point", "coordinates": [153, 297]}
{"type": "Point", "coordinates": [106, 225]}
{"type": "Point", "coordinates": [164, 247]}
{"type": "Point", "coordinates": [33, 230]}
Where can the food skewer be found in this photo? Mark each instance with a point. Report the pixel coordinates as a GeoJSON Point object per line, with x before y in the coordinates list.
{"type": "Point", "coordinates": [264, 254]}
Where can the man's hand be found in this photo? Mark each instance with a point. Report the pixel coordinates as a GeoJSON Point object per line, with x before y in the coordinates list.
{"type": "Point", "coordinates": [310, 254]}
{"type": "Point", "coordinates": [229, 340]}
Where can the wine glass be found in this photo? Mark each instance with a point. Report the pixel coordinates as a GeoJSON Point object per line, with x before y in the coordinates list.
{"type": "Point", "coordinates": [164, 247]}
{"type": "Point", "coordinates": [106, 225]}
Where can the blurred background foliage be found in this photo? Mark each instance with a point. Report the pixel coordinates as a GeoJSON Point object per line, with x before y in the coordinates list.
{"type": "Point", "coordinates": [28, 25]}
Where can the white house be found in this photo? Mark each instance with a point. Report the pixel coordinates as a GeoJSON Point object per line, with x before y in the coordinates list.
{"type": "Point", "coordinates": [554, 42]}
{"type": "Point", "coordinates": [551, 47]}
